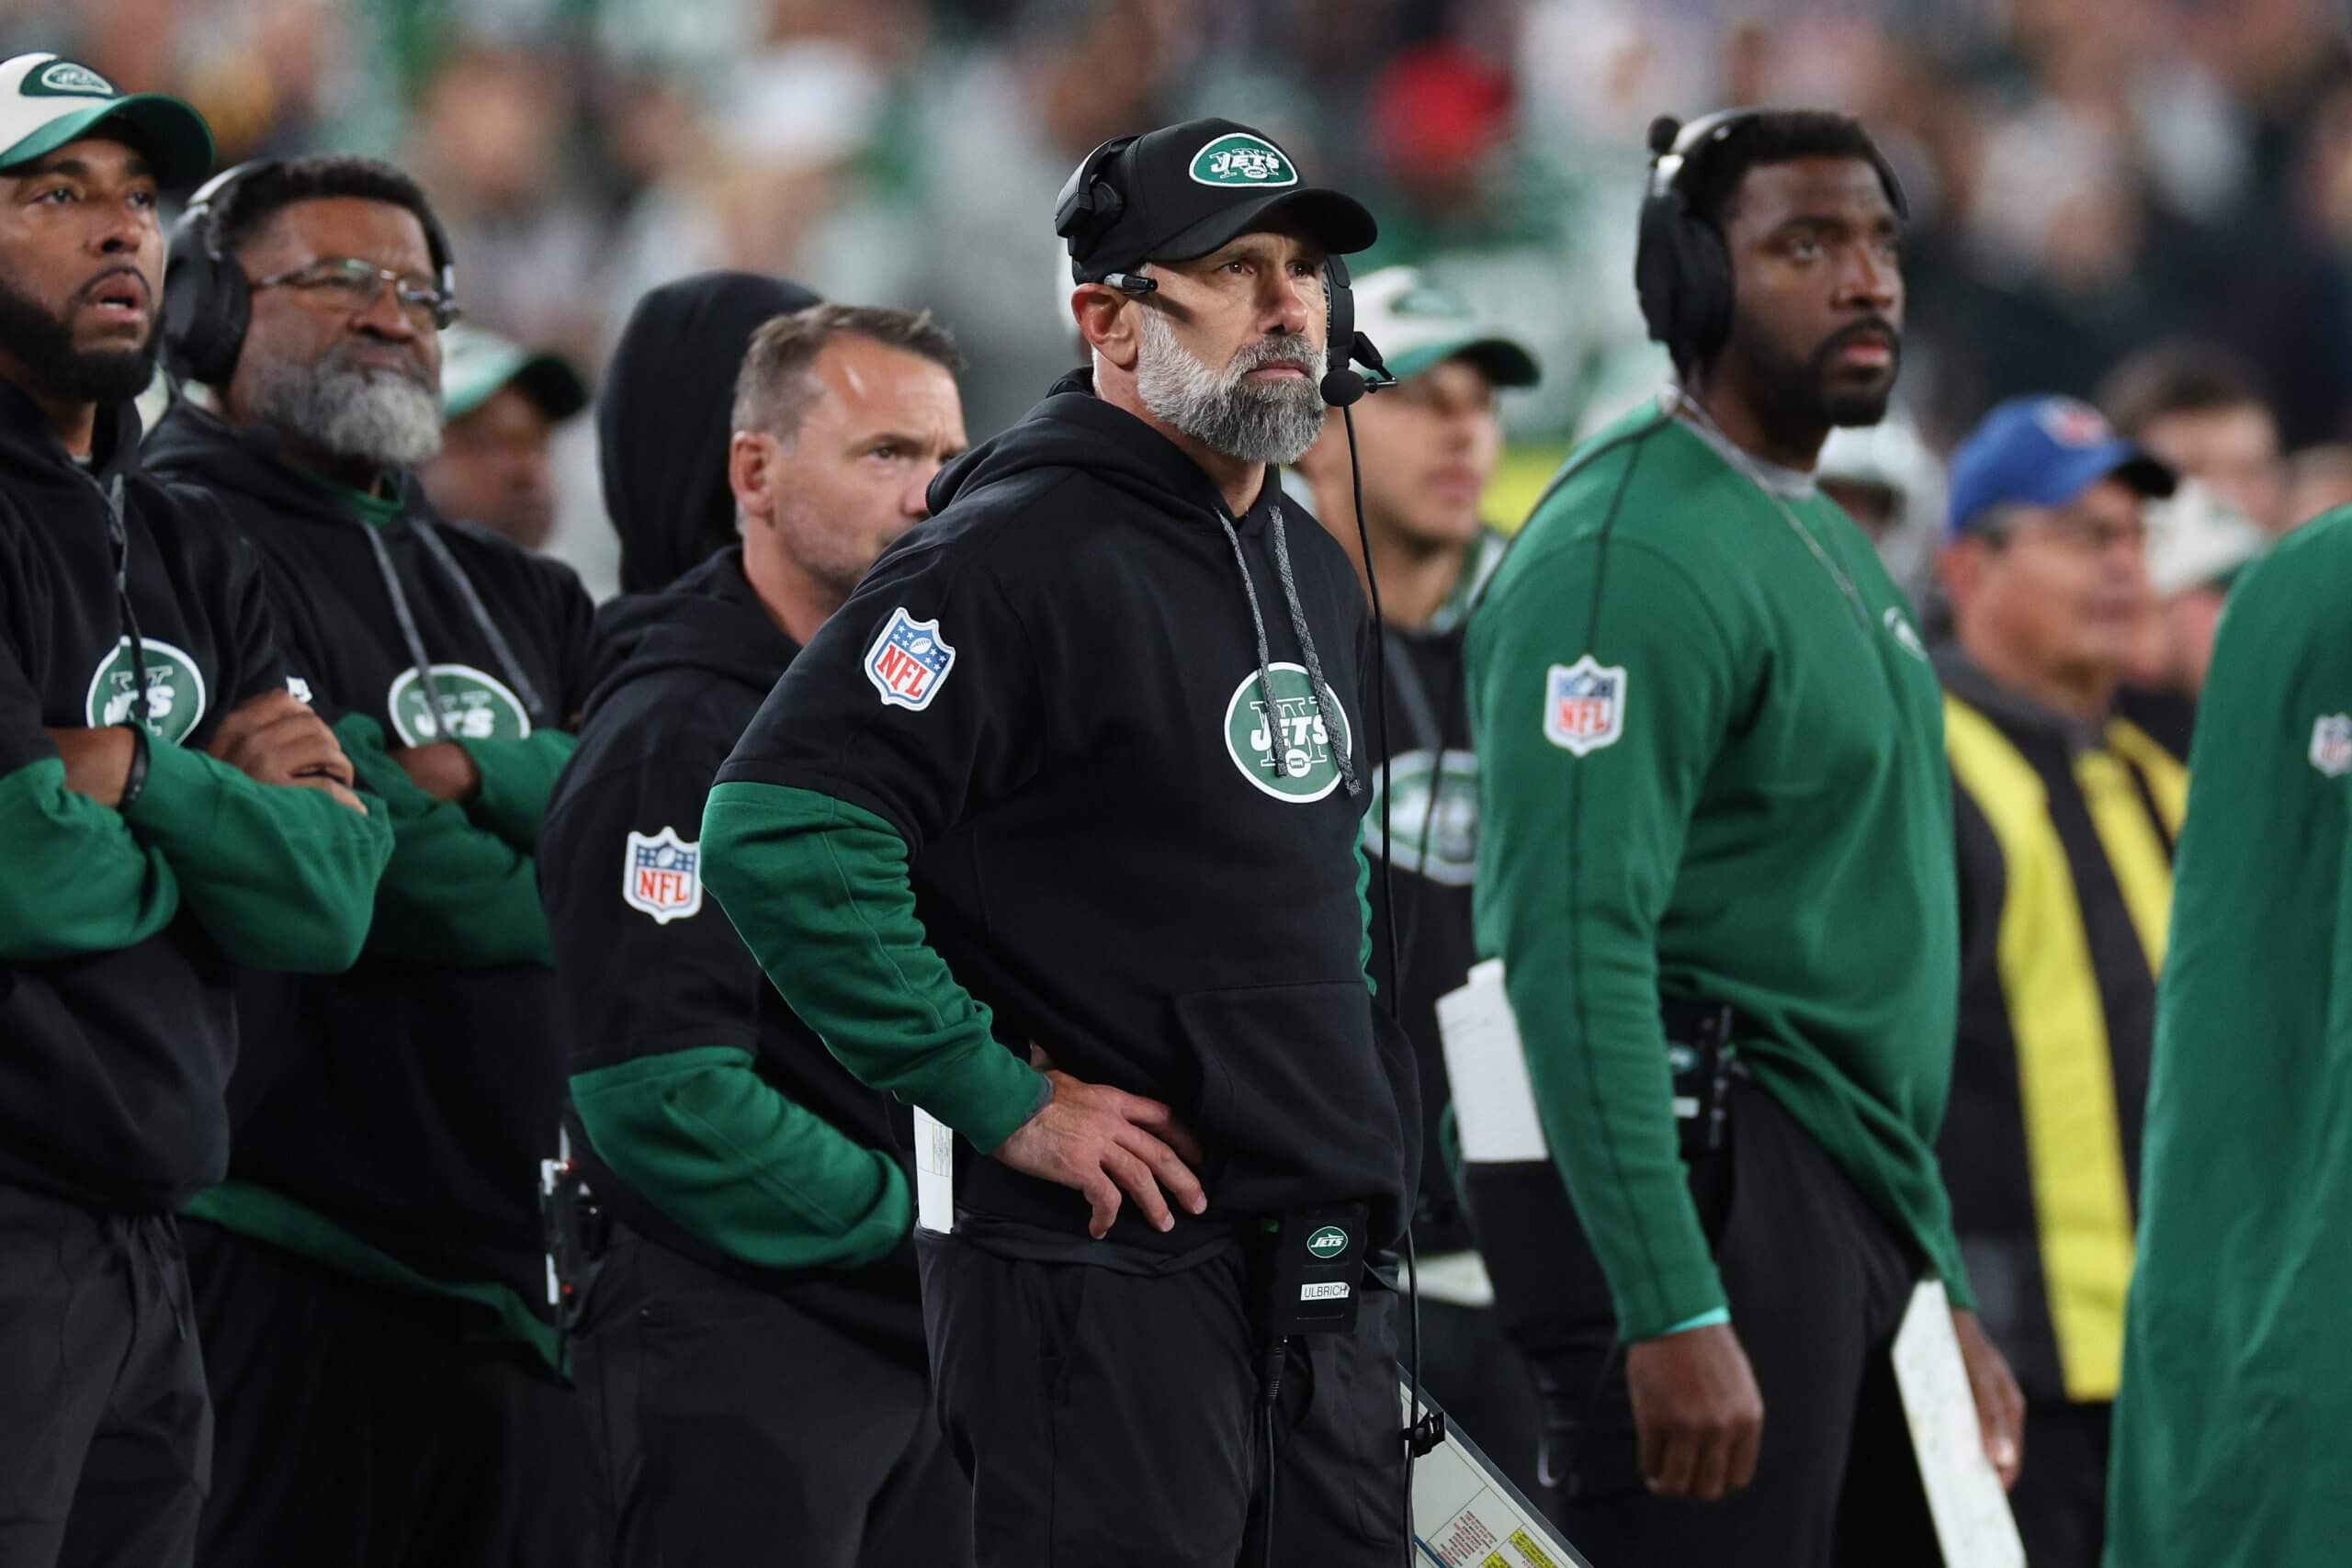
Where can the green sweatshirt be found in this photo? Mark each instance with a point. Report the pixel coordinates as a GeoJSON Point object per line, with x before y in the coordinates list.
{"type": "Point", "coordinates": [2229, 1425]}
{"type": "Point", "coordinates": [1711, 766]}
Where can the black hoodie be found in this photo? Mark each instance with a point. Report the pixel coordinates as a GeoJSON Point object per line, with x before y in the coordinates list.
{"type": "Point", "coordinates": [662, 420]}
{"type": "Point", "coordinates": [118, 1018]}
{"type": "Point", "coordinates": [1051, 699]}
{"type": "Point", "coordinates": [405, 1103]}
{"type": "Point", "coordinates": [687, 1069]}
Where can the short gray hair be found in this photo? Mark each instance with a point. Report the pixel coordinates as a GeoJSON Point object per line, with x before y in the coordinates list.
{"type": "Point", "coordinates": [774, 390]}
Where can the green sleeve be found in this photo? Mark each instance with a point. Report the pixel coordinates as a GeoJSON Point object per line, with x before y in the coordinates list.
{"type": "Point", "coordinates": [703, 1138]}
{"type": "Point", "coordinates": [517, 778]}
{"type": "Point", "coordinates": [818, 890]}
{"type": "Point", "coordinates": [1363, 904]}
{"type": "Point", "coordinates": [77, 882]}
{"type": "Point", "coordinates": [282, 877]}
{"type": "Point", "coordinates": [1578, 859]}
{"type": "Point", "coordinates": [452, 893]}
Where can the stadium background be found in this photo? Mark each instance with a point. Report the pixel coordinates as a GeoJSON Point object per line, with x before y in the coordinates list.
{"type": "Point", "coordinates": [2089, 176]}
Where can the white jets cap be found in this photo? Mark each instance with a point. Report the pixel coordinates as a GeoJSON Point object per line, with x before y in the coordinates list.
{"type": "Point", "coordinates": [1418, 325]}
{"type": "Point", "coordinates": [47, 101]}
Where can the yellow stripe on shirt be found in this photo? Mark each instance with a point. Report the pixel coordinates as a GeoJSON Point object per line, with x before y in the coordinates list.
{"type": "Point", "coordinates": [2066, 1074]}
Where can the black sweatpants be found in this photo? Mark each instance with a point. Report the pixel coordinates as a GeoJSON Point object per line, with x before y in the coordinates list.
{"type": "Point", "coordinates": [359, 1426]}
{"type": "Point", "coordinates": [106, 1435]}
{"type": "Point", "coordinates": [2060, 1496]}
{"type": "Point", "coordinates": [1109, 1418]}
{"type": "Point", "coordinates": [730, 1428]}
{"type": "Point", "coordinates": [1818, 1284]}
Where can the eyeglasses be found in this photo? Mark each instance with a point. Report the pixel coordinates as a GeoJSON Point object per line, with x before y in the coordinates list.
{"type": "Point", "coordinates": [350, 284]}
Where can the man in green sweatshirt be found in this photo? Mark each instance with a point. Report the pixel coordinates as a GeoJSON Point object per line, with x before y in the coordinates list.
{"type": "Point", "coordinates": [1716, 862]}
{"type": "Point", "coordinates": [2229, 1423]}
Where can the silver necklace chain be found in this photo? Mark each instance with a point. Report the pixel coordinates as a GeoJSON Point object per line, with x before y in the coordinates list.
{"type": "Point", "coordinates": [1684, 400]}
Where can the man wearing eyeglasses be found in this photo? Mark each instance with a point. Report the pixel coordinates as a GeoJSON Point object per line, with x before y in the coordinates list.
{"type": "Point", "coordinates": [370, 1279]}
{"type": "Point", "coordinates": [2065, 817]}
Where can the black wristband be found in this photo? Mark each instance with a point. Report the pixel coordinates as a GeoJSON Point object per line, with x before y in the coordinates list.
{"type": "Point", "coordinates": [134, 783]}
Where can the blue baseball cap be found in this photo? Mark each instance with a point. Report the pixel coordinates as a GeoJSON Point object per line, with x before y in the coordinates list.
{"type": "Point", "coordinates": [2044, 451]}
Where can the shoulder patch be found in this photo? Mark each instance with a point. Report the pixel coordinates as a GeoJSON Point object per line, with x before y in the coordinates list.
{"type": "Point", "coordinates": [661, 876]}
{"type": "Point", "coordinates": [2332, 745]}
{"type": "Point", "coordinates": [1584, 704]}
{"type": "Point", "coordinates": [910, 661]}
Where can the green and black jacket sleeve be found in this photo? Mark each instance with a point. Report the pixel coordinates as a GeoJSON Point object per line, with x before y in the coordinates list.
{"type": "Point", "coordinates": [667, 1042]}
{"type": "Point", "coordinates": [812, 827]}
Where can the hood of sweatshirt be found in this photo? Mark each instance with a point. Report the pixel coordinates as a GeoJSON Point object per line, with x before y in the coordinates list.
{"type": "Point", "coordinates": [662, 424]}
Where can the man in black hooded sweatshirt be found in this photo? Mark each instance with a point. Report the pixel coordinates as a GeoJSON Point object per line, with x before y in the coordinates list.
{"type": "Point", "coordinates": [371, 1279]}
{"type": "Point", "coordinates": [1051, 830]}
{"type": "Point", "coordinates": [153, 838]}
{"type": "Point", "coordinates": [751, 1360]}
{"type": "Point", "coordinates": [661, 419]}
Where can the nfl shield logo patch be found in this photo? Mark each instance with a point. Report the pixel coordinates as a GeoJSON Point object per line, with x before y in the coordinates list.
{"type": "Point", "coordinates": [2332, 745]}
{"type": "Point", "coordinates": [661, 876]}
{"type": "Point", "coordinates": [909, 662]}
{"type": "Point", "coordinates": [1584, 704]}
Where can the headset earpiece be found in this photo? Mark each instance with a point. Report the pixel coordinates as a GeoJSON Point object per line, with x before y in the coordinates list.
{"type": "Point", "coordinates": [1089, 203]}
{"type": "Point", "coordinates": [208, 302]}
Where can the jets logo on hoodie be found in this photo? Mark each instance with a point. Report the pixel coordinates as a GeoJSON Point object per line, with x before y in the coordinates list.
{"type": "Point", "coordinates": [175, 690]}
{"type": "Point", "coordinates": [1291, 753]}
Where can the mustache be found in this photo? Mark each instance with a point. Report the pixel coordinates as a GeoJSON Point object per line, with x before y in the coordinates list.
{"type": "Point", "coordinates": [1284, 350]}
{"type": "Point", "coordinates": [89, 290]}
{"type": "Point", "coordinates": [1870, 329]}
{"type": "Point", "coordinates": [412, 368]}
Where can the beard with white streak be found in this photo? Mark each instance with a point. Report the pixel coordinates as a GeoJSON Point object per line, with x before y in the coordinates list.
{"type": "Point", "coordinates": [1269, 422]}
{"type": "Point", "coordinates": [368, 413]}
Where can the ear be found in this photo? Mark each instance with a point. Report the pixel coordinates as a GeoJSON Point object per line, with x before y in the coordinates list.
{"type": "Point", "coordinates": [1961, 567]}
{"type": "Point", "coordinates": [1110, 328]}
{"type": "Point", "coordinates": [752, 473]}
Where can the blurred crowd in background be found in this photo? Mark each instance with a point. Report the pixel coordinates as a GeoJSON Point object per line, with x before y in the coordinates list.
{"type": "Point", "coordinates": [2087, 179]}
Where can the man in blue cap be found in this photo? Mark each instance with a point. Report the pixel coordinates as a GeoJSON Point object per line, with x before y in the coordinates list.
{"type": "Point", "coordinates": [2065, 817]}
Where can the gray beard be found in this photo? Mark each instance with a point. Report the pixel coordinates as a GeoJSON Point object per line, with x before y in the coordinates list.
{"type": "Point", "coordinates": [371, 416]}
{"type": "Point", "coordinates": [1270, 423]}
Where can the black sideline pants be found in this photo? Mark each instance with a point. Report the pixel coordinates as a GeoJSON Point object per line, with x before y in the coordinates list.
{"type": "Point", "coordinates": [731, 1430]}
{"type": "Point", "coordinates": [106, 1435]}
{"type": "Point", "coordinates": [359, 1426]}
{"type": "Point", "coordinates": [1115, 1418]}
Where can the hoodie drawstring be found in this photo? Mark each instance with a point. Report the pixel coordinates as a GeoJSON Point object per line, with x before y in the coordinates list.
{"type": "Point", "coordinates": [525, 691]}
{"type": "Point", "coordinates": [118, 535]}
{"type": "Point", "coordinates": [1341, 754]}
{"type": "Point", "coordinates": [499, 647]}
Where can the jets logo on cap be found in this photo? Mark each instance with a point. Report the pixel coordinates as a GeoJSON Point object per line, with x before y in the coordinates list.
{"type": "Point", "coordinates": [1238, 158]}
{"type": "Point", "coordinates": [64, 78]}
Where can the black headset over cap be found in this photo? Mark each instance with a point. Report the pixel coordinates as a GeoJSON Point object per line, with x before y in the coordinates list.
{"type": "Point", "coordinates": [1140, 198]}
{"type": "Point", "coordinates": [1682, 270]}
{"type": "Point", "coordinates": [209, 300]}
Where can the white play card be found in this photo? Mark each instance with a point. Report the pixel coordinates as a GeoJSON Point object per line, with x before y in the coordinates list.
{"type": "Point", "coordinates": [1972, 1519]}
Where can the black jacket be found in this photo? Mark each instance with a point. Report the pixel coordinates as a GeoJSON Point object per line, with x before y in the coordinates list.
{"type": "Point", "coordinates": [643, 981]}
{"type": "Point", "coordinates": [1112, 846]}
{"type": "Point", "coordinates": [113, 1060]}
{"type": "Point", "coordinates": [409, 1099]}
